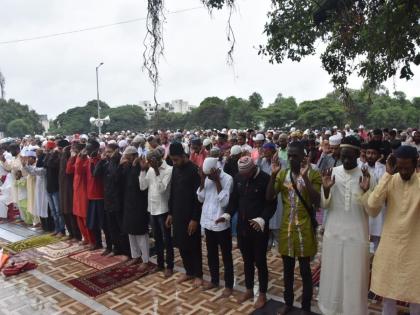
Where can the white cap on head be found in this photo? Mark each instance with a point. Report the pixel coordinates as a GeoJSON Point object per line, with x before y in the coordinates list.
{"type": "Point", "coordinates": [208, 164]}
{"type": "Point", "coordinates": [206, 142]}
{"type": "Point", "coordinates": [123, 144]}
{"type": "Point", "coordinates": [347, 126]}
{"type": "Point", "coordinates": [328, 132]}
{"type": "Point", "coordinates": [361, 127]}
{"type": "Point", "coordinates": [235, 150]}
{"type": "Point", "coordinates": [259, 137]}
{"type": "Point", "coordinates": [84, 137]}
{"type": "Point", "coordinates": [335, 140]}
{"type": "Point", "coordinates": [293, 129]}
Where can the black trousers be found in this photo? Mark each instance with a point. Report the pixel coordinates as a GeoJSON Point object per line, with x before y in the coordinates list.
{"type": "Point", "coordinates": [119, 240]}
{"type": "Point", "coordinates": [163, 241]}
{"type": "Point", "coordinates": [253, 246]}
{"type": "Point", "coordinates": [97, 222]}
{"type": "Point", "coordinates": [213, 241]}
{"type": "Point", "coordinates": [306, 274]}
{"type": "Point", "coordinates": [192, 258]}
{"type": "Point", "coordinates": [48, 222]}
{"type": "Point", "coordinates": [72, 226]}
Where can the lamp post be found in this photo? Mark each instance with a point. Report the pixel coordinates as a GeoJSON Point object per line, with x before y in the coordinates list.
{"type": "Point", "coordinates": [97, 95]}
{"type": "Point", "coordinates": [99, 122]}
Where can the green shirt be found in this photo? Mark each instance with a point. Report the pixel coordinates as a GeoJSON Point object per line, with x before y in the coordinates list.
{"type": "Point", "coordinates": [296, 236]}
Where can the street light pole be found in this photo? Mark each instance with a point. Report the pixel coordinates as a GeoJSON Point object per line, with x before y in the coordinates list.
{"type": "Point", "coordinates": [97, 96]}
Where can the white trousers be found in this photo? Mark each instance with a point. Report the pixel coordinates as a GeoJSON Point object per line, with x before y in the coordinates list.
{"type": "Point", "coordinates": [139, 246]}
{"type": "Point", "coordinates": [390, 308]}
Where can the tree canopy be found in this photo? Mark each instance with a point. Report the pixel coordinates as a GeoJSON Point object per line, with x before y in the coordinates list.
{"type": "Point", "coordinates": [76, 120]}
{"type": "Point", "coordinates": [17, 119]}
{"type": "Point", "coordinates": [374, 38]}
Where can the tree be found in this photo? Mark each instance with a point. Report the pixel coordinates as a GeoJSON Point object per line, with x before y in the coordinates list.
{"type": "Point", "coordinates": [11, 110]}
{"type": "Point", "coordinates": [127, 117]}
{"type": "Point", "coordinates": [168, 120]}
{"type": "Point", "coordinates": [241, 113]}
{"type": "Point", "coordinates": [76, 120]}
{"type": "Point", "coordinates": [256, 100]}
{"type": "Point", "coordinates": [212, 113]}
{"type": "Point", "coordinates": [325, 112]}
{"type": "Point", "coordinates": [373, 38]}
{"type": "Point", "coordinates": [281, 113]}
{"type": "Point", "coordinates": [18, 128]}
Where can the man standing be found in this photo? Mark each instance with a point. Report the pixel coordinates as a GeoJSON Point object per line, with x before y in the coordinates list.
{"type": "Point", "coordinates": [155, 176]}
{"type": "Point", "coordinates": [395, 273]}
{"type": "Point", "coordinates": [136, 218]}
{"type": "Point", "coordinates": [345, 247]}
{"type": "Point", "coordinates": [96, 219]}
{"type": "Point", "coordinates": [249, 199]}
{"type": "Point", "coordinates": [299, 187]}
{"type": "Point", "coordinates": [52, 165]}
{"type": "Point", "coordinates": [377, 170]}
{"type": "Point", "coordinates": [198, 152]}
{"type": "Point", "coordinates": [109, 169]}
{"type": "Point", "coordinates": [185, 212]}
{"type": "Point", "coordinates": [214, 192]}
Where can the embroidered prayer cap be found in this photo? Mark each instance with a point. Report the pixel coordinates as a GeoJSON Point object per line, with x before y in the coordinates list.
{"type": "Point", "coordinates": [130, 150]}
{"type": "Point", "coordinates": [245, 164]}
{"type": "Point", "coordinates": [335, 140]}
{"type": "Point", "coordinates": [406, 152]}
{"type": "Point", "coordinates": [259, 137]}
{"type": "Point", "coordinates": [235, 150]}
{"type": "Point", "coordinates": [208, 164]}
{"type": "Point", "coordinates": [206, 142]}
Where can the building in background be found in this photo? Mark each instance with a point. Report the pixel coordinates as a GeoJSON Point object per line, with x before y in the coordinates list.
{"type": "Point", "coordinates": [43, 119]}
{"type": "Point", "coordinates": [175, 106]}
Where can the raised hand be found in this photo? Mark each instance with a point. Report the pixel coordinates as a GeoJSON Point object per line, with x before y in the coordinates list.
{"type": "Point", "coordinates": [275, 164]}
{"type": "Point", "coordinates": [143, 164]}
{"type": "Point", "coordinates": [305, 167]}
{"type": "Point", "coordinates": [391, 162]}
{"type": "Point", "coordinates": [327, 179]}
{"type": "Point", "coordinates": [364, 181]}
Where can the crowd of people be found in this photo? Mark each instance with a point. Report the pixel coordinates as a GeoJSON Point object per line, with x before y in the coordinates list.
{"type": "Point", "coordinates": [266, 189]}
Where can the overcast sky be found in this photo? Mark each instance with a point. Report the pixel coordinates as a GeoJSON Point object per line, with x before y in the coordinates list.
{"type": "Point", "coordinates": [55, 74]}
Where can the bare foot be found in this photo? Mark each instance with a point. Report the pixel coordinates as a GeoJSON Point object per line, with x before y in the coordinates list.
{"type": "Point", "coordinates": [198, 282]}
{"type": "Point", "coordinates": [249, 294]}
{"type": "Point", "coordinates": [106, 252]}
{"type": "Point", "coordinates": [184, 278]}
{"type": "Point", "coordinates": [83, 243]}
{"type": "Point", "coordinates": [168, 273]}
{"type": "Point", "coordinates": [261, 300]}
{"type": "Point", "coordinates": [227, 292]}
{"type": "Point", "coordinates": [209, 286]}
{"type": "Point", "coordinates": [135, 261]}
{"type": "Point", "coordinates": [143, 267]}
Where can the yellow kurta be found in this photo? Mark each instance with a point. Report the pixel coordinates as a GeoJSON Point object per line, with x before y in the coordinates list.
{"type": "Point", "coordinates": [396, 265]}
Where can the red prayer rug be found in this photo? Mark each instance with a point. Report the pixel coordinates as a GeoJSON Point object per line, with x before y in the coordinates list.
{"type": "Point", "coordinates": [95, 260]}
{"type": "Point", "coordinates": [108, 279]}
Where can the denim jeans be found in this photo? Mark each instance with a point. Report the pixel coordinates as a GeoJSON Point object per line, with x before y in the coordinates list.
{"type": "Point", "coordinates": [54, 203]}
{"type": "Point", "coordinates": [163, 240]}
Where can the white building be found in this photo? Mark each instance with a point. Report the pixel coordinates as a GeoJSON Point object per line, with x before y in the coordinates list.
{"type": "Point", "coordinates": [43, 119]}
{"type": "Point", "coordinates": [175, 106]}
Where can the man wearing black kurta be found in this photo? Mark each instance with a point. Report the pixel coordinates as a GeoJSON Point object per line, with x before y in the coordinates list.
{"type": "Point", "coordinates": [185, 212]}
{"type": "Point", "coordinates": [254, 212]}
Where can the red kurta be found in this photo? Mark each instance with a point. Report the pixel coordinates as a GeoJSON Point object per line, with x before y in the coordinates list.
{"type": "Point", "coordinates": [79, 167]}
{"type": "Point", "coordinates": [95, 185]}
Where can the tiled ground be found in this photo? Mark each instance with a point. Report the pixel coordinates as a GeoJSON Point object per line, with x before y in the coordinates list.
{"type": "Point", "coordinates": [46, 291]}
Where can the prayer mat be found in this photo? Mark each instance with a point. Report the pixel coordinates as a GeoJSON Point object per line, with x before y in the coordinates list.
{"type": "Point", "coordinates": [272, 307]}
{"type": "Point", "coordinates": [33, 242]}
{"type": "Point", "coordinates": [108, 279]}
{"type": "Point", "coordinates": [95, 260]}
{"type": "Point", "coordinates": [60, 250]}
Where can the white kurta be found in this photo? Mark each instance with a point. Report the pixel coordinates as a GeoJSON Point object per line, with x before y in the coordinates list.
{"type": "Point", "coordinates": [41, 196]}
{"type": "Point", "coordinates": [376, 224]}
{"type": "Point", "coordinates": [345, 249]}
